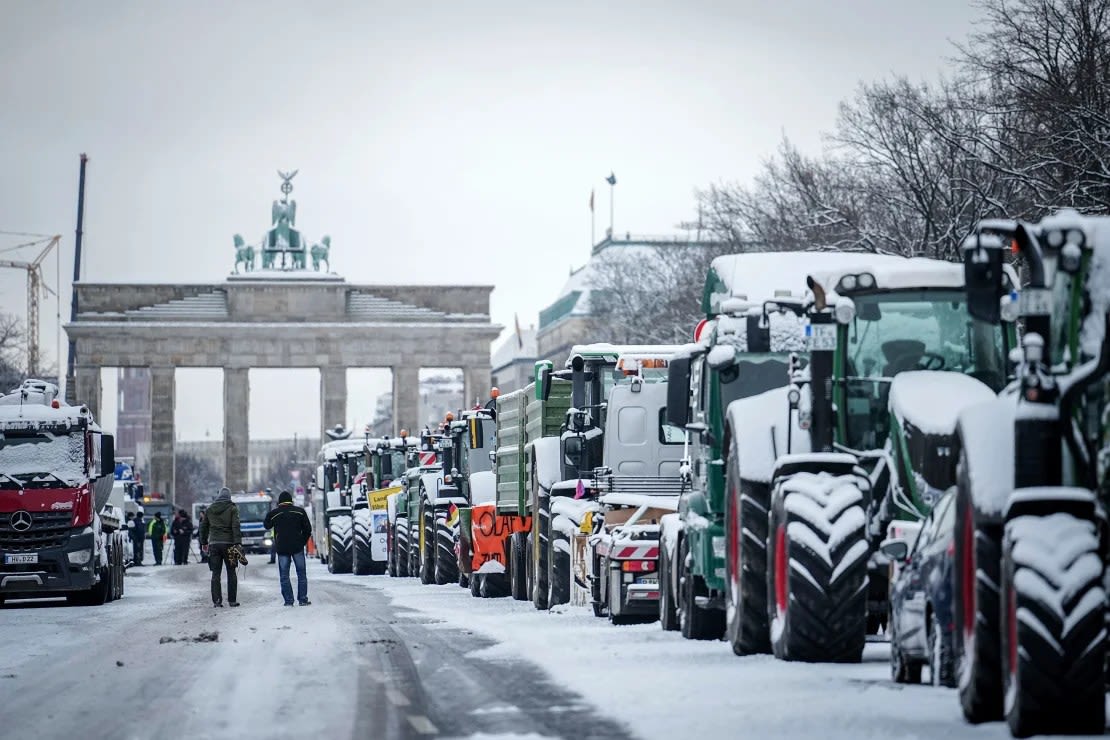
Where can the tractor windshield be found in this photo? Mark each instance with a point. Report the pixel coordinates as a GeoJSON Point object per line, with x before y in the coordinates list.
{"type": "Point", "coordinates": [908, 330]}
{"type": "Point", "coordinates": [751, 375]}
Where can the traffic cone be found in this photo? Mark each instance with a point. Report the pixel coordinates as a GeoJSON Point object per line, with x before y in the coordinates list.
{"type": "Point", "coordinates": [311, 547]}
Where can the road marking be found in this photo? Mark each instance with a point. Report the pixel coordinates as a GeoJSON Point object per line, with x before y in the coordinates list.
{"type": "Point", "coordinates": [397, 697]}
{"type": "Point", "coordinates": [422, 724]}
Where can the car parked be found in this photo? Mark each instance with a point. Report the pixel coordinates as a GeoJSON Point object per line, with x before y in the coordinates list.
{"type": "Point", "coordinates": [921, 595]}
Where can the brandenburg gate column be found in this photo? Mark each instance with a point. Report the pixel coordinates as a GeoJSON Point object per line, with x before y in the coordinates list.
{"type": "Point", "coordinates": [333, 399]}
{"type": "Point", "coordinates": [237, 402]}
{"type": "Point", "coordinates": [162, 402]}
{"type": "Point", "coordinates": [476, 385]}
{"type": "Point", "coordinates": [88, 390]}
{"type": "Point", "coordinates": [406, 399]}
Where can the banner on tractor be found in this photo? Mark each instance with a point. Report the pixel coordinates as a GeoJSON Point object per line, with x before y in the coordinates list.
{"type": "Point", "coordinates": [378, 497]}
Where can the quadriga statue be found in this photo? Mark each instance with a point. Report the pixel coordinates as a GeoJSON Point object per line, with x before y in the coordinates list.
{"type": "Point", "coordinates": [244, 254]}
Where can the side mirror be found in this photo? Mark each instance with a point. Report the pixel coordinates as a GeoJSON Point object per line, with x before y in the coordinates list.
{"type": "Point", "coordinates": [107, 454]}
{"type": "Point", "coordinates": [474, 428]}
{"type": "Point", "coordinates": [897, 549]}
{"type": "Point", "coordinates": [543, 380]}
{"type": "Point", "coordinates": [983, 277]}
{"type": "Point", "coordinates": [678, 392]}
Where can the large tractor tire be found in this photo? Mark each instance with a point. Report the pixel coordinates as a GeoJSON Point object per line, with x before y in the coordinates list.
{"type": "Point", "coordinates": [1054, 636]}
{"type": "Point", "coordinates": [668, 614]}
{"type": "Point", "coordinates": [558, 569]}
{"type": "Point", "coordinates": [446, 564]}
{"type": "Point", "coordinates": [696, 622]}
{"type": "Point", "coordinates": [597, 594]}
{"type": "Point", "coordinates": [339, 544]}
{"type": "Point", "coordinates": [494, 585]}
{"type": "Point", "coordinates": [819, 551]}
{"type": "Point", "coordinates": [518, 566]}
{"type": "Point", "coordinates": [361, 562]}
{"type": "Point", "coordinates": [976, 605]}
{"type": "Point", "coordinates": [427, 552]}
{"type": "Point", "coordinates": [399, 554]}
{"type": "Point", "coordinates": [541, 548]}
{"type": "Point", "coordinates": [746, 515]}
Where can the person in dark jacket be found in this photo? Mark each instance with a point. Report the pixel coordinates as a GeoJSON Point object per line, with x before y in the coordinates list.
{"type": "Point", "coordinates": [157, 534]}
{"type": "Point", "coordinates": [291, 532]}
{"type": "Point", "coordinates": [201, 516]}
{"type": "Point", "coordinates": [219, 532]}
{"type": "Point", "coordinates": [138, 534]}
{"type": "Point", "coordinates": [182, 531]}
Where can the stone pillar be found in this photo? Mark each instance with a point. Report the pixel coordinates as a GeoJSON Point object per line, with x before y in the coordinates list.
{"type": "Point", "coordinates": [477, 382]}
{"type": "Point", "coordinates": [237, 403]}
{"type": "Point", "coordinates": [161, 431]}
{"type": "Point", "coordinates": [88, 388]}
{"type": "Point", "coordinates": [333, 399]}
{"type": "Point", "coordinates": [406, 399]}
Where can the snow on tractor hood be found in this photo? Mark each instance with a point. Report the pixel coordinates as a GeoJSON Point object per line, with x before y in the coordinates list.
{"type": "Point", "coordinates": [931, 400]}
{"type": "Point", "coordinates": [986, 432]}
{"type": "Point", "coordinates": [483, 487]}
{"type": "Point", "coordinates": [753, 421]}
{"type": "Point", "coordinates": [895, 273]}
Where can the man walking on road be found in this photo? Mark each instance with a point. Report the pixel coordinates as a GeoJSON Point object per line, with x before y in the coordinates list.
{"type": "Point", "coordinates": [138, 534]}
{"type": "Point", "coordinates": [219, 532]}
{"type": "Point", "coordinates": [291, 532]}
{"type": "Point", "coordinates": [157, 534]}
{"type": "Point", "coordinates": [182, 531]}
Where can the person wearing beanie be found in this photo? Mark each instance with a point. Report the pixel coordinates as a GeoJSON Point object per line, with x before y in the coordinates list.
{"type": "Point", "coordinates": [292, 529]}
{"type": "Point", "coordinates": [219, 533]}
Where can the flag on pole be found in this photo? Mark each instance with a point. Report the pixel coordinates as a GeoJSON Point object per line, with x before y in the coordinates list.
{"type": "Point", "coordinates": [612, 179]}
{"type": "Point", "coordinates": [591, 200]}
{"type": "Point", "coordinates": [519, 338]}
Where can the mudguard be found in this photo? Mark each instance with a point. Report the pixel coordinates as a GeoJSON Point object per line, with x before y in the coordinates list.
{"type": "Point", "coordinates": [985, 434]}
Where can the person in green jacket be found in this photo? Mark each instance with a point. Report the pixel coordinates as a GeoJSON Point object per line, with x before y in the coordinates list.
{"type": "Point", "coordinates": [157, 534]}
{"type": "Point", "coordinates": [219, 532]}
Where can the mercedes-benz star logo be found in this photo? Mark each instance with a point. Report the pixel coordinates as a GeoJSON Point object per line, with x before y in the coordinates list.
{"type": "Point", "coordinates": [21, 521]}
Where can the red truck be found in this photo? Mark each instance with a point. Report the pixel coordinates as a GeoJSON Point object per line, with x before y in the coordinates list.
{"type": "Point", "coordinates": [59, 535]}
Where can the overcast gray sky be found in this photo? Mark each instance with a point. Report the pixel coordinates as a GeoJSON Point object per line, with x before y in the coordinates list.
{"type": "Point", "coordinates": [437, 141]}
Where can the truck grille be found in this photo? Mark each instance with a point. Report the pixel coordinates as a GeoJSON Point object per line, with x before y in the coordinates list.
{"type": "Point", "coordinates": [48, 529]}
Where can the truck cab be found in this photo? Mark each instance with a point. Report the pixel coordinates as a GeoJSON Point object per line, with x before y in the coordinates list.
{"type": "Point", "coordinates": [56, 476]}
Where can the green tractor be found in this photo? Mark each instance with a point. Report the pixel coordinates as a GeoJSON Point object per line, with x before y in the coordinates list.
{"type": "Point", "coordinates": [864, 436]}
{"type": "Point", "coordinates": [741, 349]}
{"type": "Point", "coordinates": [1031, 538]}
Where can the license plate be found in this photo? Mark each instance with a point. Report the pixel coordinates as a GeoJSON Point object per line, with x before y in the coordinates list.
{"type": "Point", "coordinates": [649, 580]}
{"type": "Point", "coordinates": [1035, 302]}
{"type": "Point", "coordinates": [30, 559]}
{"type": "Point", "coordinates": [820, 337]}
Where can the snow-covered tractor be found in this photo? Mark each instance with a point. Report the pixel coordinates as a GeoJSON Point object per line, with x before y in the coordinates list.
{"type": "Point", "coordinates": [739, 350]}
{"type": "Point", "coordinates": [818, 471]}
{"type": "Point", "coordinates": [1031, 536]}
{"type": "Point", "coordinates": [338, 466]}
{"type": "Point", "coordinates": [431, 496]}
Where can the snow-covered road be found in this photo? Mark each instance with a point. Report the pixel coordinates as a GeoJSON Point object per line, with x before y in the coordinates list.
{"type": "Point", "coordinates": [375, 657]}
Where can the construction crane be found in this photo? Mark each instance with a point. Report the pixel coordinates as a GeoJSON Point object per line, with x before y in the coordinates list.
{"type": "Point", "coordinates": [36, 288]}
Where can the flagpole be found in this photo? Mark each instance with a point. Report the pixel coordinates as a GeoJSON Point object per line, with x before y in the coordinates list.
{"type": "Point", "coordinates": [612, 187]}
{"type": "Point", "coordinates": [593, 224]}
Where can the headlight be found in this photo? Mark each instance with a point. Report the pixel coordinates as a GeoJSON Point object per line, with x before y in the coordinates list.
{"type": "Point", "coordinates": [267, 542]}
{"type": "Point", "coordinates": [846, 284]}
{"type": "Point", "coordinates": [80, 557]}
{"type": "Point", "coordinates": [867, 281]}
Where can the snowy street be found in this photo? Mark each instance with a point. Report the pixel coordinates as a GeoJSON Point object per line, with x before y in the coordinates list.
{"type": "Point", "coordinates": [388, 658]}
